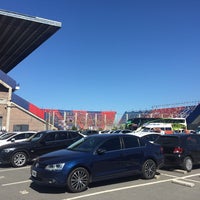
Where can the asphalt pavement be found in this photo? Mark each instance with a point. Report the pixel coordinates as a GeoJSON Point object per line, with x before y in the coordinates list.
{"type": "Point", "coordinates": [167, 185]}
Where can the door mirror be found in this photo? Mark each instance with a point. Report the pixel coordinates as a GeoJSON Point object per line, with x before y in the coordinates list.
{"type": "Point", "coordinates": [101, 151]}
{"type": "Point", "coordinates": [13, 140]}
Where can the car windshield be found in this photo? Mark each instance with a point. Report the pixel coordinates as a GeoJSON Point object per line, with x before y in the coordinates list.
{"type": "Point", "coordinates": [86, 144]}
{"type": "Point", "coordinates": [6, 136]}
{"type": "Point", "coordinates": [37, 136]}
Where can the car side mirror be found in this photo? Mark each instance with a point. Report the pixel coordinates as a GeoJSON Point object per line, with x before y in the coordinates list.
{"type": "Point", "coordinates": [13, 140]}
{"type": "Point", "coordinates": [101, 151]}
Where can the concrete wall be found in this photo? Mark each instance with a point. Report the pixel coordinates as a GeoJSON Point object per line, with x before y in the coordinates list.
{"type": "Point", "coordinates": [20, 117]}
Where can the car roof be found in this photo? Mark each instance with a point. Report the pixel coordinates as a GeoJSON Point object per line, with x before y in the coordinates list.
{"type": "Point", "coordinates": [107, 135]}
{"type": "Point", "coordinates": [55, 131]}
{"type": "Point", "coordinates": [177, 135]}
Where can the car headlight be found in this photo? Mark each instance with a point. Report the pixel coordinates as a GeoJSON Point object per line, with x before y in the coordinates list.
{"type": "Point", "coordinates": [8, 150]}
{"type": "Point", "coordinates": [55, 167]}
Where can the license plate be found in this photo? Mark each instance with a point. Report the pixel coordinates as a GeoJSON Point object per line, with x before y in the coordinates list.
{"type": "Point", "coordinates": [34, 173]}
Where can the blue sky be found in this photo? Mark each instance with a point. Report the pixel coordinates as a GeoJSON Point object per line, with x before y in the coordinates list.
{"type": "Point", "coordinates": [115, 55]}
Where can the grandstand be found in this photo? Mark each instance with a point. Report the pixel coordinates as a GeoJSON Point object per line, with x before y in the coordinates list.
{"type": "Point", "coordinates": [189, 110]}
{"type": "Point", "coordinates": [67, 119]}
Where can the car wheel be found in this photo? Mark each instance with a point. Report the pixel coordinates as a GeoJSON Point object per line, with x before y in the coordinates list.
{"type": "Point", "coordinates": [19, 159]}
{"type": "Point", "coordinates": [78, 180]}
{"type": "Point", "coordinates": [187, 164]}
{"type": "Point", "coordinates": [149, 169]}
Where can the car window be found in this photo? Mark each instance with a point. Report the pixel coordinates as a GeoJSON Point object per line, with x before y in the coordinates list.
{"type": "Point", "coordinates": [28, 135]}
{"type": "Point", "coordinates": [6, 136]}
{"type": "Point", "coordinates": [111, 144]}
{"type": "Point", "coordinates": [61, 135]}
{"type": "Point", "coordinates": [19, 137]}
{"type": "Point", "coordinates": [50, 137]}
{"type": "Point", "coordinates": [86, 144]}
{"type": "Point", "coordinates": [37, 136]}
{"type": "Point", "coordinates": [73, 135]}
{"type": "Point", "coordinates": [130, 142]}
{"type": "Point", "coordinates": [150, 137]}
{"type": "Point", "coordinates": [168, 141]}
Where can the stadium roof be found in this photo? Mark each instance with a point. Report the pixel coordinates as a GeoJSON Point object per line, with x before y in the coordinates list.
{"type": "Point", "coordinates": [20, 35]}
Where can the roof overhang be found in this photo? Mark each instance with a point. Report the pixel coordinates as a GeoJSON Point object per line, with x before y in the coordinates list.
{"type": "Point", "coordinates": [20, 35]}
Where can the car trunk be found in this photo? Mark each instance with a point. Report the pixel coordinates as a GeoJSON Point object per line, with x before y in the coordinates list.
{"type": "Point", "coordinates": [170, 145]}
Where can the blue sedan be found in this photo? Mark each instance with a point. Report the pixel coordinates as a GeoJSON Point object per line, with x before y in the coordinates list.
{"type": "Point", "coordinates": [96, 158]}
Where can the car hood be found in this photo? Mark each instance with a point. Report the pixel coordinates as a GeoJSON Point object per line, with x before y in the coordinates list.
{"type": "Point", "coordinates": [63, 155]}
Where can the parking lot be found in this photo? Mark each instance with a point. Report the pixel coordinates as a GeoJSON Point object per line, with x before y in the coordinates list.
{"type": "Point", "coordinates": [168, 184]}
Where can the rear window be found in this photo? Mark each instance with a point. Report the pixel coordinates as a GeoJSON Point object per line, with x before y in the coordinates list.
{"type": "Point", "coordinates": [168, 141]}
{"type": "Point", "coordinates": [130, 142]}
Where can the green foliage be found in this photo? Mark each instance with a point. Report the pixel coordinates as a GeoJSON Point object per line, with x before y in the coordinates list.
{"type": "Point", "coordinates": [74, 128]}
{"type": "Point", "coordinates": [177, 126]}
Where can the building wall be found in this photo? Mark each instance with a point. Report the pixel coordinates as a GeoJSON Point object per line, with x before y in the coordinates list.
{"type": "Point", "coordinates": [21, 117]}
{"type": "Point", "coordinates": [12, 115]}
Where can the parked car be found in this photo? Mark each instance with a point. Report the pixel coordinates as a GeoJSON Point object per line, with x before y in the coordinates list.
{"type": "Point", "coordinates": [147, 136]}
{"type": "Point", "coordinates": [197, 131]}
{"type": "Point", "coordinates": [2, 133]}
{"type": "Point", "coordinates": [16, 137]}
{"type": "Point", "coordinates": [126, 131]}
{"type": "Point", "coordinates": [180, 150]}
{"type": "Point", "coordinates": [18, 154]}
{"type": "Point", "coordinates": [90, 132]}
{"type": "Point", "coordinates": [95, 158]}
{"type": "Point", "coordinates": [116, 131]}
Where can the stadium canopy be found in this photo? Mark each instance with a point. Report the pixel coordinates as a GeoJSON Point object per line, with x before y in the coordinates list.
{"type": "Point", "coordinates": [20, 35]}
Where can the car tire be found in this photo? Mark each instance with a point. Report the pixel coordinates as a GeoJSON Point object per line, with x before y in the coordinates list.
{"type": "Point", "coordinates": [19, 159]}
{"type": "Point", "coordinates": [187, 164]}
{"type": "Point", "coordinates": [78, 180]}
{"type": "Point", "coordinates": [149, 169]}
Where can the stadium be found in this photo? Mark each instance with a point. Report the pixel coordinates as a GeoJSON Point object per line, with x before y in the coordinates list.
{"type": "Point", "coordinates": [20, 35]}
{"type": "Point", "coordinates": [189, 111]}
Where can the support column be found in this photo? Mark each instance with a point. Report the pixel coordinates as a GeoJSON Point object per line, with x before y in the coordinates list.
{"type": "Point", "coordinates": [8, 107]}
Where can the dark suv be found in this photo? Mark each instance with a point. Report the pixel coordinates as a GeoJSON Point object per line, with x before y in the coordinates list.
{"type": "Point", "coordinates": [180, 150]}
{"type": "Point", "coordinates": [18, 154]}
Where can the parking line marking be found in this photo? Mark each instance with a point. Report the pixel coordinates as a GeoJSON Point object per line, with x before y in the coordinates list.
{"type": "Point", "coordinates": [172, 176]}
{"type": "Point", "coordinates": [180, 171]}
{"type": "Point", "coordinates": [118, 189]}
{"type": "Point", "coordinates": [15, 183]}
{"type": "Point", "coordinates": [14, 169]}
{"type": "Point", "coordinates": [129, 187]}
{"type": "Point", "coordinates": [192, 180]}
{"type": "Point", "coordinates": [192, 175]}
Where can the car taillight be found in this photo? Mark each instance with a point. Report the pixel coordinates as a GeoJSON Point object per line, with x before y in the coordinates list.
{"type": "Point", "coordinates": [178, 150]}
